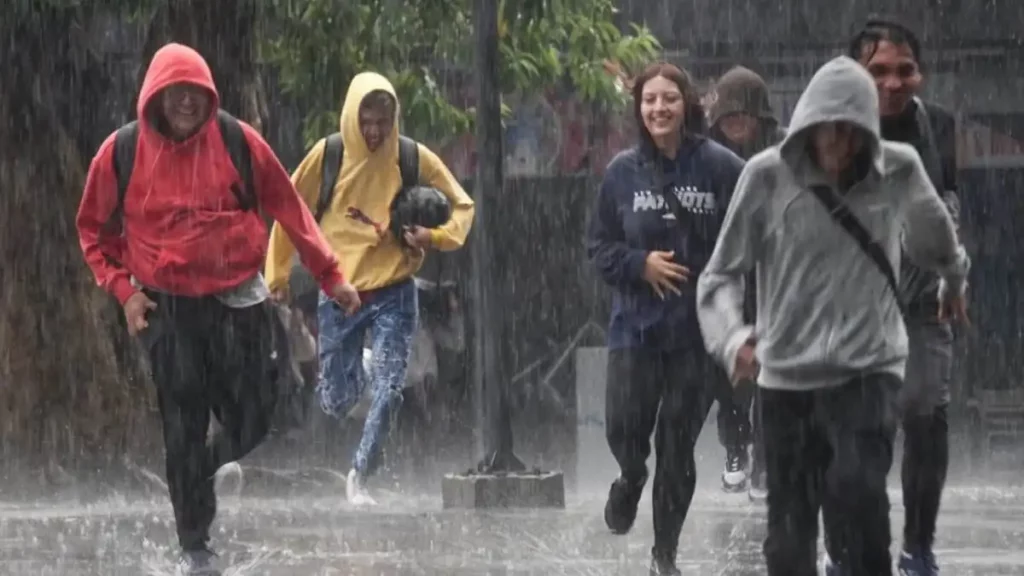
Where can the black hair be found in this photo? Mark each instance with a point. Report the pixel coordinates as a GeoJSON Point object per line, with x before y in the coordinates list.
{"type": "Point", "coordinates": [878, 29]}
{"type": "Point", "coordinates": [379, 99]}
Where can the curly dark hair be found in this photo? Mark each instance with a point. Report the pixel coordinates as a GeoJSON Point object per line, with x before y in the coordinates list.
{"type": "Point", "coordinates": [878, 29]}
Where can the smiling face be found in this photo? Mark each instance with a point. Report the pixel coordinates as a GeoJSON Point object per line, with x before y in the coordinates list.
{"type": "Point", "coordinates": [896, 73]}
{"type": "Point", "coordinates": [376, 119]}
{"type": "Point", "coordinates": [662, 108]}
{"type": "Point", "coordinates": [185, 107]}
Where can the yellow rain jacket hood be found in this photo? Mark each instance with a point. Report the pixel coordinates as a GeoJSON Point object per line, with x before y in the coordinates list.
{"type": "Point", "coordinates": [356, 222]}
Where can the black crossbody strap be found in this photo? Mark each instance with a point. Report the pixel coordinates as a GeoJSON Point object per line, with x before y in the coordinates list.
{"type": "Point", "coordinates": [849, 222]}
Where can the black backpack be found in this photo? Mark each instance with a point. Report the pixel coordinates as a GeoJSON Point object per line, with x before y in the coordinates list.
{"type": "Point", "coordinates": [126, 142]}
{"type": "Point", "coordinates": [334, 153]}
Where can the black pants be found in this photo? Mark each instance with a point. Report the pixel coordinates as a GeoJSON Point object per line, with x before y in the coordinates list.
{"type": "Point", "coordinates": [830, 449]}
{"type": "Point", "coordinates": [206, 357]}
{"type": "Point", "coordinates": [923, 401]}
{"type": "Point", "coordinates": [734, 432]}
{"type": "Point", "coordinates": [669, 394]}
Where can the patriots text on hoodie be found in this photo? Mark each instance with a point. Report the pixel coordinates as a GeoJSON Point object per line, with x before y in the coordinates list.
{"type": "Point", "coordinates": [356, 222]}
{"type": "Point", "coordinates": [825, 312]}
{"type": "Point", "coordinates": [631, 218]}
{"type": "Point", "coordinates": [183, 231]}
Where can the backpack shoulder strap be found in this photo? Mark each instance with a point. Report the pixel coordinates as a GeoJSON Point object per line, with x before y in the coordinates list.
{"type": "Point", "coordinates": [409, 161]}
{"type": "Point", "coordinates": [238, 148]}
{"type": "Point", "coordinates": [330, 169]}
{"type": "Point", "coordinates": [125, 141]}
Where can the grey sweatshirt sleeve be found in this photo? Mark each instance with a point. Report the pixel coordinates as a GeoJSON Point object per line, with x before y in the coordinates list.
{"type": "Point", "coordinates": [720, 288]}
{"type": "Point", "coordinates": [930, 237]}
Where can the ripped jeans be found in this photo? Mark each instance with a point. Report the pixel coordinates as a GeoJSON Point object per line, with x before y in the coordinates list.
{"type": "Point", "coordinates": [390, 313]}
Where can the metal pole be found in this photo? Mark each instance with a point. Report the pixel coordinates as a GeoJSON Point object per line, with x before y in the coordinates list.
{"type": "Point", "coordinates": [490, 386]}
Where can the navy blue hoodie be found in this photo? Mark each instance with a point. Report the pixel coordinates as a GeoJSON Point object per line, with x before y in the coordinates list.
{"type": "Point", "coordinates": [630, 219]}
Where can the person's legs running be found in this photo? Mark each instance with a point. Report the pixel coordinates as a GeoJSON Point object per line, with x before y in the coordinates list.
{"type": "Point", "coordinates": [177, 347]}
{"type": "Point", "coordinates": [860, 420]}
{"type": "Point", "coordinates": [924, 399]}
{"type": "Point", "coordinates": [340, 350]}
{"type": "Point", "coordinates": [685, 401]}
{"type": "Point", "coordinates": [734, 431]}
{"type": "Point", "coordinates": [394, 322]}
{"type": "Point", "coordinates": [794, 449]}
{"type": "Point", "coordinates": [245, 386]}
{"type": "Point", "coordinates": [632, 395]}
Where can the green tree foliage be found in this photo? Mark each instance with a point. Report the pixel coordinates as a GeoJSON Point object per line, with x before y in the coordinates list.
{"type": "Point", "coordinates": [316, 46]}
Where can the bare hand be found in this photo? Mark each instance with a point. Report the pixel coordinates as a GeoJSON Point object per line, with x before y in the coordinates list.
{"type": "Point", "coordinates": [346, 296]}
{"type": "Point", "coordinates": [746, 367]}
{"type": "Point", "coordinates": [418, 237]}
{"type": "Point", "coordinates": [954, 308]}
{"type": "Point", "coordinates": [135, 309]}
{"type": "Point", "coordinates": [663, 274]}
{"type": "Point", "coordinates": [280, 295]}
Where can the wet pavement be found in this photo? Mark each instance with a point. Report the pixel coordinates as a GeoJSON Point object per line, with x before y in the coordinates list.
{"type": "Point", "coordinates": [982, 533]}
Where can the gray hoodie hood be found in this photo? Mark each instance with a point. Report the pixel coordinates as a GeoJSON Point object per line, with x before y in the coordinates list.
{"type": "Point", "coordinates": [825, 312]}
{"type": "Point", "coordinates": [840, 91]}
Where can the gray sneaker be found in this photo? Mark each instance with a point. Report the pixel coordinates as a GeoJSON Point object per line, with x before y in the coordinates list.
{"type": "Point", "coordinates": [198, 563]}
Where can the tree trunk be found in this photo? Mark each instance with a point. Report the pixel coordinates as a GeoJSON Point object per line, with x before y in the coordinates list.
{"type": "Point", "coordinates": [62, 399]}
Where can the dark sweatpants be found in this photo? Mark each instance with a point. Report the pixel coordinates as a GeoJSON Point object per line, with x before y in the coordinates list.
{"type": "Point", "coordinates": [734, 430]}
{"type": "Point", "coordinates": [739, 424]}
{"type": "Point", "coordinates": [205, 357]}
{"type": "Point", "coordinates": [669, 394]}
{"type": "Point", "coordinates": [830, 448]}
{"type": "Point", "coordinates": [924, 399]}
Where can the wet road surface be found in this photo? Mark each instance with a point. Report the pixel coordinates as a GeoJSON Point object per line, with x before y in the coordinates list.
{"type": "Point", "coordinates": [982, 533]}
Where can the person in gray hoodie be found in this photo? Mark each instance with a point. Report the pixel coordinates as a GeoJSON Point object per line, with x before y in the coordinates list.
{"type": "Point", "coordinates": [823, 220]}
{"type": "Point", "coordinates": [741, 118]}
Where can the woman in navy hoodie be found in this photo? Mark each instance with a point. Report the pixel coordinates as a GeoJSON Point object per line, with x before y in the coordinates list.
{"type": "Point", "coordinates": [653, 228]}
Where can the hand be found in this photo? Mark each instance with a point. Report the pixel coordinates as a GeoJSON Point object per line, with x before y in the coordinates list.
{"type": "Point", "coordinates": [663, 274]}
{"type": "Point", "coordinates": [280, 294]}
{"type": "Point", "coordinates": [954, 308]}
{"type": "Point", "coordinates": [746, 367]}
{"type": "Point", "coordinates": [346, 296]}
{"type": "Point", "coordinates": [135, 309]}
{"type": "Point", "coordinates": [417, 237]}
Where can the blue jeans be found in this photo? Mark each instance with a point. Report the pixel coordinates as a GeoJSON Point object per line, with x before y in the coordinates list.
{"type": "Point", "coordinates": [391, 314]}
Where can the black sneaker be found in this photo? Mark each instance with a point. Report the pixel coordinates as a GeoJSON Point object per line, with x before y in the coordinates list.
{"type": "Point", "coordinates": [198, 563]}
{"type": "Point", "coordinates": [664, 564]}
{"type": "Point", "coordinates": [623, 498]}
{"type": "Point", "coordinates": [734, 478]}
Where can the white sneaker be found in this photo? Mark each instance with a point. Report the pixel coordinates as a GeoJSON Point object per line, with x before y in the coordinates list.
{"type": "Point", "coordinates": [356, 492]}
{"type": "Point", "coordinates": [231, 470]}
{"type": "Point", "coordinates": [758, 494]}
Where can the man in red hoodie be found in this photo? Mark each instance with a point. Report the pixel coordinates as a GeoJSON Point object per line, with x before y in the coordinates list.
{"type": "Point", "coordinates": [184, 260]}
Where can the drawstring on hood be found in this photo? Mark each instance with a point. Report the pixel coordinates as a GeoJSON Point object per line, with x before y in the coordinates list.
{"type": "Point", "coordinates": [840, 91]}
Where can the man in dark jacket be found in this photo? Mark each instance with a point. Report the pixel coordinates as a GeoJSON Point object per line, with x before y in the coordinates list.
{"type": "Point", "coordinates": [891, 54]}
{"type": "Point", "coordinates": [741, 117]}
